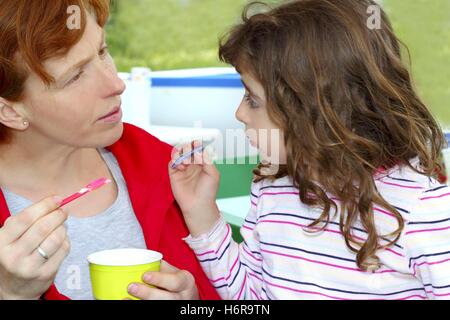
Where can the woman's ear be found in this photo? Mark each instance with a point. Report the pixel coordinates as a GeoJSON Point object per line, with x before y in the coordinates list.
{"type": "Point", "coordinates": [10, 115]}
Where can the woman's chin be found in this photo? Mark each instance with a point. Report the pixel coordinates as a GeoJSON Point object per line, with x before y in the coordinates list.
{"type": "Point", "coordinates": [112, 135]}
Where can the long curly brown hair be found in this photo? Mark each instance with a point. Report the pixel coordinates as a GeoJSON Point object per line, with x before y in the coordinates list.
{"type": "Point", "coordinates": [345, 102]}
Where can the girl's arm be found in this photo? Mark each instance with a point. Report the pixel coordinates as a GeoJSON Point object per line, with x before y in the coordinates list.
{"type": "Point", "coordinates": [234, 270]}
{"type": "Point", "coordinates": [426, 239]}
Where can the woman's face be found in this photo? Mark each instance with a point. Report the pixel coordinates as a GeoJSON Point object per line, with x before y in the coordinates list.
{"type": "Point", "coordinates": [262, 132]}
{"type": "Point", "coordinates": [82, 107]}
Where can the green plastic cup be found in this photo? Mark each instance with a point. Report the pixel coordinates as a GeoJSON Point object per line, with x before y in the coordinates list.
{"type": "Point", "coordinates": [112, 271]}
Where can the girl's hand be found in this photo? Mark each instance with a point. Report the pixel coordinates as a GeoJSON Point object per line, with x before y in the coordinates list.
{"type": "Point", "coordinates": [194, 184]}
{"type": "Point", "coordinates": [24, 273]}
{"type": "Point", "coordinates": [168, 284]}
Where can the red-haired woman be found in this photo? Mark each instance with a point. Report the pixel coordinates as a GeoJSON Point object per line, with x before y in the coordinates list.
{"type": "Point", "coordinates": [60, 128]}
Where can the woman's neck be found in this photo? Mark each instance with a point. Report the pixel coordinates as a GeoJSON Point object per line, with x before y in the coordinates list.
{"type": "Point", "coordinates": [34, 168]}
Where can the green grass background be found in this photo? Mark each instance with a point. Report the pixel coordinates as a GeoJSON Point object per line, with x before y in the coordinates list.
{"type": "Point", "coordinates": [424, 26]}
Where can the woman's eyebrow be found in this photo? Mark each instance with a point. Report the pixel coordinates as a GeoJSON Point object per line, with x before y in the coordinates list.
{"type": "Point", "coordinates": [82, 62]}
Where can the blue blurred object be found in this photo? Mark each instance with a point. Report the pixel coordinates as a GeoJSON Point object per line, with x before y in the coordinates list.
{"type": "Point", "coordinates": [231, 80]}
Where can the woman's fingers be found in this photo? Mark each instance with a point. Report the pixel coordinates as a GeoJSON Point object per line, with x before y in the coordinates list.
{"type": "Point", "coordinates": [144, 292]}
{"type": "Point", "coordinates": [47, 229]}
{"type": "Point", "coordinates": [49, 269]}
{"type": "Point", "coordinates": [16, 226]}
{"type": "Point", "coordinates": [51, 244]}
{"type": "Point", "coordinates": [167, 267]}
{"type": "Point", "coordinates": [170, 283]}
{"type": "Point", "coordinates": [169, 278]}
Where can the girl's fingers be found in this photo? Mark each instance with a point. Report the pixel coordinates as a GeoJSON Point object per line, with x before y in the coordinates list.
{"type": "Point", "coordinates": [193, 158]}
{"type": "Point", "coordinates": [186, 150]}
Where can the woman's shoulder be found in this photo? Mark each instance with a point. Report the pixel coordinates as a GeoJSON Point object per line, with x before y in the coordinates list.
{"type": "Point", "coordinates": [138, 144]}
{"type": "Point", "coordinates": [135, 135]}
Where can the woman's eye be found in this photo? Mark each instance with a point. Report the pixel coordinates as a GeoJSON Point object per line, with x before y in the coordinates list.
{"type": "Point", "coordinates": [103, 52]}
{"type": "Point", "coordinates": [76, 78]}
{"type": "Point", "coordinates": [251, 102]}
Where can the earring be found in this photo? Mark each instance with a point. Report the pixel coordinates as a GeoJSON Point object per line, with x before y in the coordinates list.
{"type": "Point", "coordinates": [25, 123]}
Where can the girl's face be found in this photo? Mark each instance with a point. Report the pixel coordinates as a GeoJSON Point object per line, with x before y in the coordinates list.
{"type": "Point", "coordinates": [260, 129]}
{"type": "Point", "coordinates": [82, 107]}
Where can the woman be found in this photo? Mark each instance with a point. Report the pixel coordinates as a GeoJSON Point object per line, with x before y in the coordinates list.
{"type": "Point", "coordinates": [60, 128]}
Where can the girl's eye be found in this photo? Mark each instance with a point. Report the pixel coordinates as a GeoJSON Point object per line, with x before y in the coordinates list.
{"type": "Point", "coordinates": [251, 102]}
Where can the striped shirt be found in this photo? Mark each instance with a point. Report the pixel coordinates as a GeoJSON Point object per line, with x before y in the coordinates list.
{"type": "Point", "coordinates": [280, 259]}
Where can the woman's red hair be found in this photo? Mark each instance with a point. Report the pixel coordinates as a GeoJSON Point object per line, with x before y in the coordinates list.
{"type": "Point", "coordinates": [33, 31]}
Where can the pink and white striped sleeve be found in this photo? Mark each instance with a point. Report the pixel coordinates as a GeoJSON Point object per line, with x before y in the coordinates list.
{"type": "Point", "coordinates": [235, 270]}
{"type": "Point", "coordinates": [427, 242]}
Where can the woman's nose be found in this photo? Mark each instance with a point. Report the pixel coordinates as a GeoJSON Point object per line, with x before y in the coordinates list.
{"type": "Point", "coordinates": [118, 85]}
{"type": "Point", "coordinates": [115, 84]}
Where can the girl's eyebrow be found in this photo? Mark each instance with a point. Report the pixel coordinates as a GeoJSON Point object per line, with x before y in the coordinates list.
{"type": "Point", "coordinates": [245, 86]}
{"type": "Point", "coordinates": [250, 91]}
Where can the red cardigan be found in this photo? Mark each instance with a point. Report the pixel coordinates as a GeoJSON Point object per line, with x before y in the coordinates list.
{"type": "Point", "coordinates": [144, 160]}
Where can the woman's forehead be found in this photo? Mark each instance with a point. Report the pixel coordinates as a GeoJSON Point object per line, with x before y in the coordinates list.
{"type": "Point", "coordinates": [89, 43]}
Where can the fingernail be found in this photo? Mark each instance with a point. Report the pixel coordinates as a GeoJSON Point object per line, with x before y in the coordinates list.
{"type": "Point", "coordinates": [147, 278]}
{"type": "Point", "coordinates": [57, 199]}
{"type": "Point", "coordinates": [132, 288]}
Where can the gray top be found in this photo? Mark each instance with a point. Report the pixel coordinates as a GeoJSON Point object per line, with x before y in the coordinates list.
{"type": "Point", "coordinates": [116, 227]}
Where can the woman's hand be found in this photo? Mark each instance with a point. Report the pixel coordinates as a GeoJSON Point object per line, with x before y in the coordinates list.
{"type": "Point", "coordinates": [24, 272]}
{"type": "Point", "coordinates": [195, 183]}
{"type": "Point", "coordinates": [169, 283]}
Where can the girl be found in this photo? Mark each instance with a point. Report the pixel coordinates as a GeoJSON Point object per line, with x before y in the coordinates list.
{"type": "Point", "coordinates": [353, 211]}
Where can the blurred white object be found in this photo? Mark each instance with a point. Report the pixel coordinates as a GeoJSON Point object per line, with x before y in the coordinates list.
{"type": "Point", "coordinates": [180, 135]}
{"type": "Point", "coordinates": [177, 106]}
{"type": "Point", "coordinates": [136, 99]}
{"type": "Point", "coordinates": [235, 209]}
{"type": "Point", "coordinates": [446, 155]}
{"type": "Point", "coordinates": [139, 74]}
{"type": "Point", "coordinates": [209, 96]}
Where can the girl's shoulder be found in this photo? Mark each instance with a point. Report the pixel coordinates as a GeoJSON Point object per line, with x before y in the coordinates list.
{"type": "Point", "coordinates": [414, 192]}
{"type": "Point", "coordinates": [284, 184]}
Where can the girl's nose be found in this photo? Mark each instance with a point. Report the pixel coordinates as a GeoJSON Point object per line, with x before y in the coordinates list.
{"type": "Point", "coordinates": [240, 113]}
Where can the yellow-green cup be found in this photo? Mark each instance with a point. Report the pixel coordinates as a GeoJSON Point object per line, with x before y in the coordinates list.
{"type": "Point", "coordinates": [112, 271]}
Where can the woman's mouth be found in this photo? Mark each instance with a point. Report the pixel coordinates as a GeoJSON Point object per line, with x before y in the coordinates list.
{"type": "Point", "coordinates": [114, 116]}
